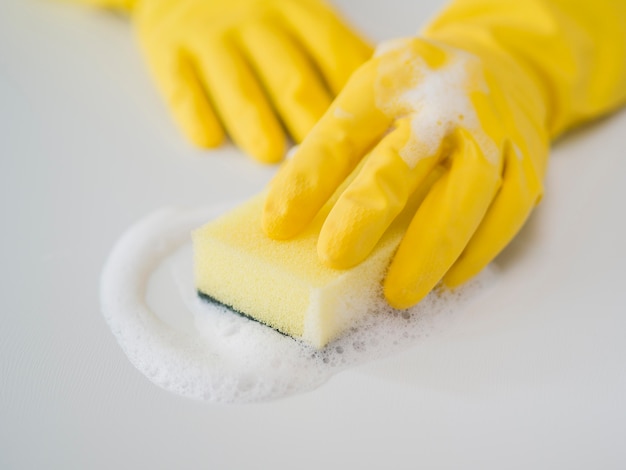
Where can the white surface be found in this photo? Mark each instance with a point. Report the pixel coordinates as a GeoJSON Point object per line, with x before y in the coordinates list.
{"type": "Point", "coordinates": [533, 376]}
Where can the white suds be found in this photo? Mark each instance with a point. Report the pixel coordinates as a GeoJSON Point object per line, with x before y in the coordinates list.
{"type": "Point", "coordinates": [438, 104]}
{"type": "Point", "coordinates": [199, 350]}
{"type": "Point", "coordinates": [342, 114]}
{"type": "Point", "coordinates": [389, 46]}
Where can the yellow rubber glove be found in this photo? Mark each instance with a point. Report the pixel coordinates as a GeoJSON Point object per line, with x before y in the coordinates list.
{"type": "Point", "coordinates": [246, 66]}
{"type": "Point", "coordinates": [477, 99]}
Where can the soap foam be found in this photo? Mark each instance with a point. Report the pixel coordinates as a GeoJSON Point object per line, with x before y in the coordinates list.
{"type": "Point", "coordinates": [439, 102]}
{"type": "Point", "coordinates": [225, 357]}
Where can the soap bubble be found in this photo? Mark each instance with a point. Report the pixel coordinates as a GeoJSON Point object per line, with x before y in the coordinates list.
{"type": "Point", "coordinates": [228, 358]}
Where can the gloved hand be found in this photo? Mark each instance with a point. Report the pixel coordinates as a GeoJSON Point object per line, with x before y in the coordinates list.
{"type": "Point", "coordinates": [477, 99]}
{"type": "Point", "coordinates": [246, 66]}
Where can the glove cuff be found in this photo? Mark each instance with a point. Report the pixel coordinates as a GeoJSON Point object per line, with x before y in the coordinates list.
{"type": "Point", "coordinates": [572, 50]}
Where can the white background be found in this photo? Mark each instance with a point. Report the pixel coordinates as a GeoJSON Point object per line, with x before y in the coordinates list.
{"type": "Point", "coordinates": [533, 376]}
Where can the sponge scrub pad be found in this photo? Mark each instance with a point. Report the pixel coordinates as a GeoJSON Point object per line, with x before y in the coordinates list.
{"type": "Point", "coordinates": [282, 283]}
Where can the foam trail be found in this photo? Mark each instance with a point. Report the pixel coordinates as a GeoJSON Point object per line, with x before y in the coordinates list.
{"type": "Point", "coordinates": [225, 358]}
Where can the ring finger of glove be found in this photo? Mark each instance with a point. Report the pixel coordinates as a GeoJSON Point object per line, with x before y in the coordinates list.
{"type": "Point", "coordinates": [521, 190]}
{"type": "Point", "coordinates": [239, 100]}
{"type": "Point", "coordinates": [290, 80]}
{"type": "Point", "coordinates": [443, 224]}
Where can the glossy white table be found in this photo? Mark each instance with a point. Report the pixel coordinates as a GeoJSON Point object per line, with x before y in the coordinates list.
{"type": "Point", "coordinates": [532, 376]}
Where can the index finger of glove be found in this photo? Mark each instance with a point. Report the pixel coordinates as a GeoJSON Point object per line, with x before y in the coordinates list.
{"type": "Point", "coordinates": [350, 127]}
{"type": "Point", "coordinates": [443, 225]}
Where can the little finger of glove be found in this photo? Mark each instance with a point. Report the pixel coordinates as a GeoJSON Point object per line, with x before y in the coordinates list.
{"type": "Point", "coordinates": [180, 85]}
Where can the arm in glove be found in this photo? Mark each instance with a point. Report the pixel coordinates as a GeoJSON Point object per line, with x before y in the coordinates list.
{"type": "Point", "coordinates": [245, 67]}
{"type": "Point", "coordinates": [477, 100]}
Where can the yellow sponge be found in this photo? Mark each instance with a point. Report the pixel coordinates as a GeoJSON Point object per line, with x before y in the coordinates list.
{"type": "Point", "coordinates": [282, 283]}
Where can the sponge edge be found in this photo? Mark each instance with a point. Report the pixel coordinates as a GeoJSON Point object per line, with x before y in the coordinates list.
{"type": "Point", "coordinates": [282, 283]}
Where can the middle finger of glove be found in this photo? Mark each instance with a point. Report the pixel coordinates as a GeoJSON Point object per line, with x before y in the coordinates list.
{"type": "Point", "coordinates": [372, 200]}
